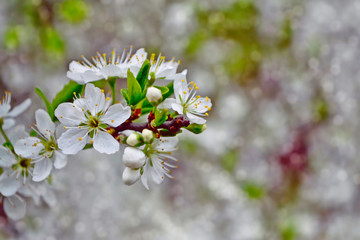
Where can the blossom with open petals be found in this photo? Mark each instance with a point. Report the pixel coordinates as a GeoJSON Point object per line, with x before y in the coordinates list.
{"type": "Point", "coordinates": [163, 69]}
{"type": "Point", "coordinates": [6, 116]}
{"type": "Point", "coordinates": [102, 67]}
{"type": "Point", "coordinates": [186, 101]}
{"type": "Point", "coordinates": [86, 121]}
{"type": "Point", "coordinates": [42, 149]}
{"type": "Point", "coordinates": [156, 164]}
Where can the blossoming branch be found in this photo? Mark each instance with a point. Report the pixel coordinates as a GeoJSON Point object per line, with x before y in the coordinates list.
{"type": "Point", "coordinates": [82, 116]}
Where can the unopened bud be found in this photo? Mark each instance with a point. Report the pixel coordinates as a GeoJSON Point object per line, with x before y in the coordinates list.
{"type": "Point", "coordinates": [196, 128]}
{"type": "Point", "coordinates": [154, 95]}
{"type": "Point", "coordinates": [133, 158]}
{"type": "Point", "coordinates": [131, 176]}
{"type": "Point", "coordinates": [147, 135]}
{"type": "Point", "coordinates": [134, 140]}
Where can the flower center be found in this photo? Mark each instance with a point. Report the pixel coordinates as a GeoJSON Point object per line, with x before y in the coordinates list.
{"type": "Point", "coordinates": [93, 122]}
{"type": "Point", "coordinates": [25, 163]}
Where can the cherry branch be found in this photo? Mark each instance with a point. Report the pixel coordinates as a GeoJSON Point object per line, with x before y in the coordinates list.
{"type": "Point", "coordinates": [170, 127]}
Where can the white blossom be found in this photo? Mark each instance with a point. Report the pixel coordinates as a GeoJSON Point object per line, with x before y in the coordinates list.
{"type": "Point", "coordinates": [163, 69]}
{"type": "Point", "coordinates": [186, 101]}
{"type": "Point", "coordinates": [150, 160]}
{"type": "Point", "coordinates": [42, 149]}
{"type": "Point", "coordinates": [102, 67]}
{"type": "Point", "coordinates": [86, 121]}
{"type": "Point", "coordinates": [6, 116]}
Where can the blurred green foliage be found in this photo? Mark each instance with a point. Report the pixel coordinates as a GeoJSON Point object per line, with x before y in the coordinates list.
{"type": "Point", "coordinates": [237, 26]}
{"type": "Point", "coordinates": [12, 37]}
{"type": "Point", "coordinates": [252, 190]}
{"type": "Point", "coordinates": [74, 11]}
{"type": "Point", "coordinates": [51, 41]}
{"type": "Point", "coordinates": [230, 159]}
{"type": "Point", "coordinates": [33, 26]}
{"type": "Point", "coordinates": [288, 231]}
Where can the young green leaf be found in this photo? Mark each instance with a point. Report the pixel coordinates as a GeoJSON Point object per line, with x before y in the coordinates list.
{"type": "Point", "coordinates": [142, 76]}
{"type": "Point", "coordinates": [134, 89]}
{"type": "Point", "coordinates": [125, 94]}
{"type": "Point", "coordinates": [67, 93]}
{"type": "Point", "coordinates": [48, 105]}
{"type": "Point", "coordinates": [160, 116]}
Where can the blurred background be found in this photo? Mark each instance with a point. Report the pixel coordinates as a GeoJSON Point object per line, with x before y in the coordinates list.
{"type": "Point", "coordinates": [279, 159]}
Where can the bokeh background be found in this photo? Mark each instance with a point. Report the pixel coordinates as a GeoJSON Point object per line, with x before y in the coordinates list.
{"type": "Point", "coordinates": [280, 157]}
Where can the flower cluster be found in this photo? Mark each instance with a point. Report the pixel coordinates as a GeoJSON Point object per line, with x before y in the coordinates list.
{"type": "Point", "coordinates": [146, 120]}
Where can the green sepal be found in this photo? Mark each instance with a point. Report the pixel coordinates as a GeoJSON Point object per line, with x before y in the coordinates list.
{"type": "Point", "coordinates": [48, 105]}
{"type": "Point", "coordinates": [33, 133]}
{"type": "Point", "coordinates": [88, 146]}
{"type": "Point", "coordinates": [143, 74]}
{"type": "Point", "coordinates": [67, 93]}
{"type": "Point", "coordinates": [146, 110]}
{"type": "Point", "coordinates": [134, 89]}
{"type": "Point", "coordinates": [160, 116]}
{"type": "Point", "coordinates": [196, 128]}
{"type": "Point", "coordinates": [163, 89]}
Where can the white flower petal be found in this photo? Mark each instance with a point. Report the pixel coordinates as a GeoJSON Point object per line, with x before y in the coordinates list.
{"type": "Point", "coordinates": [181, 90]}
{"type": "Point", "coordinates": [195, 119]}
{"type": "Point", "coordinates": [6, 157]}
{"type": "Point", "coordinates": [8, 123]}
{"type": "Point", "coordinates": [44, 123]}
{"type": "Point", "coordinates": [20, 108]}
{"type": "Point", "coordinates": [202, 105]}
{"type": "Point", "coordinates": [178, 108]}
{"type": "Point", "coordinates": [167, 103]}
{"type": "Point", "coordinates": [95, 99]}
{"type": "Point", "coordinates": [144, 176]}
{"type": "Point", "coordinates": [49, 197]}
{"type": "Point", "coordinates": [69, 115]}
{"type": "Point", "coordinates": [60, 160]}
{"type": "Point", "coordinates": [116, 115]}
{"type": "Point", "coordinates": [111, 70]}
{"type": "Point", "coordinates": [105, 143]}
{"type": "Point", "coordinates": [28, 147]}
{"type": "Point", "coordinates": [166, 144]}
{"type": "Point", "coordinates": [15, 207]}
{"type": "Point", "coordinates": [73, 140]}
{"type": "Point", "coordinates": [8, 184]}
{"type": "Point", "coordinates": [42, 170]}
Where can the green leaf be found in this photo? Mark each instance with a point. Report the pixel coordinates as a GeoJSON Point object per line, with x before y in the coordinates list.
{"type": "Point", "coordinates": [134, 89]}
{"type": "Point", "coordinates": [48, 105]}
{"type": "Point", "coordinates": [125, 94]}
{"type": "Point", "coordinates": [146, 110]}
{"type": "Point", "coordinates": [67, 93]}
{"type": "Point", "coordinates": [143, 74]}
{"type": "Point", "coordinates": [160, 116]}
{"type": "Point", "coordinates": [253, 190]}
